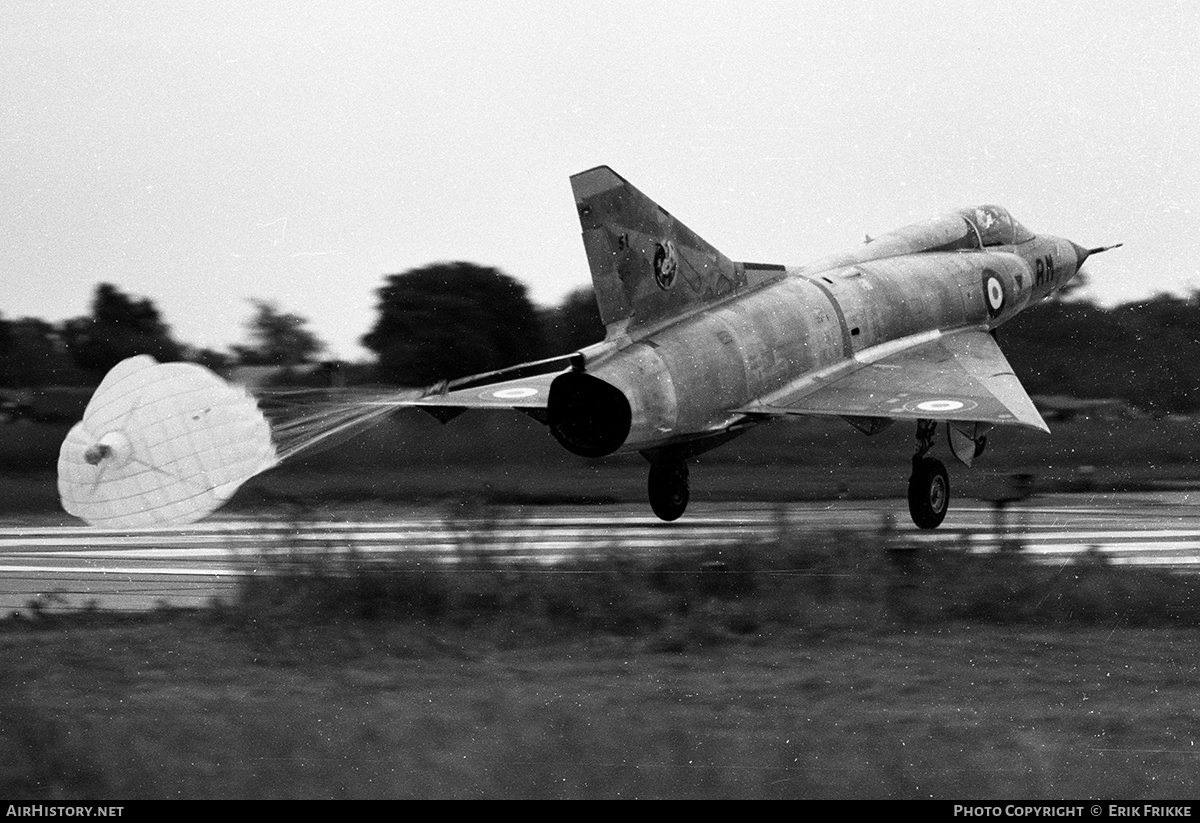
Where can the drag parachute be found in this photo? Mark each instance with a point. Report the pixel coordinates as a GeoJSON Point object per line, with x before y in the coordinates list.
{"type": "Point", "coordinates": [161, 444]}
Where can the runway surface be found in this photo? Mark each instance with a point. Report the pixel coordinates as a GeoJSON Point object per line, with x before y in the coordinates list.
{"type": "Point", "coordinates": [57, 567]}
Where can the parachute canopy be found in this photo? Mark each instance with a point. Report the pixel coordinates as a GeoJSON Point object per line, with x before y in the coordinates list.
{"type": "Point", "coordinates": [161, 444]}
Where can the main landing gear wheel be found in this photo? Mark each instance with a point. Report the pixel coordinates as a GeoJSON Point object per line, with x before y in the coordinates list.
{"type": "Point", "coordinates": [668, 489]}
{"type": "Point", "coordinates": [928, 492]}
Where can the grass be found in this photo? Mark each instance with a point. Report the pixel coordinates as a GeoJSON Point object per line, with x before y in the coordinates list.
{"type": "Point", "coordinates": [807, 667]}
{"type": "Point", "coordinates": [803, 581]}
{"type": "Point", "coordinates": [191, 709]}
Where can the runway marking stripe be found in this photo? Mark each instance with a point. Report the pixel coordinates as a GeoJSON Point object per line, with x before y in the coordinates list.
{"type": "Point", "coordinates": [232, 548]}
{"type": "Point", "coordinates": [118, 572]}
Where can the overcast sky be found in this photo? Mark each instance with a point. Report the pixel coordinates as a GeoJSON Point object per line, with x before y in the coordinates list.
{"type": "Point", "coordinates": [201, 154]}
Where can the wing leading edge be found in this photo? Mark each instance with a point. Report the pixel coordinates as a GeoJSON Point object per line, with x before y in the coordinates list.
{"type": "Point", "coordinates": [960, 375]}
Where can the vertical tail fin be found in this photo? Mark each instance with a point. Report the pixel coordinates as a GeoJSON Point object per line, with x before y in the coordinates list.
{"type": "Point", "coordinates": [647, 267]}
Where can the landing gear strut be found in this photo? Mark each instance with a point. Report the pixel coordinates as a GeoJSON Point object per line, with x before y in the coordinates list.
{"type": "Point", "coordinates": [929, 485]}
{"type": "Point", "coordinates": [668, 487]}
{"type": "Point", "coordinates": [668, 484]}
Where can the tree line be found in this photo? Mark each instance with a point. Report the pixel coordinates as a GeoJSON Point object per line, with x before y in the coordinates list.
{"type": "Point", "coordinates": [1145, 352]}
{"type": "Point", "coordinates": [448, 320]}
{"type": "Point", "coordinates": [436, 322]}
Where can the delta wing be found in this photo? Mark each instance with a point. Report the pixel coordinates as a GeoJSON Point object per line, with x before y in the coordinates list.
{"type": "Point", "coordinates": [960, 375]}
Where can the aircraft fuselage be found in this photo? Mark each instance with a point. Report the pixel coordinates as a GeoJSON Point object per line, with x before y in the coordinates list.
{"type": "Point", "coordinates": [688, 380]}
{"type": "Point", "coordinates": [699, 348]}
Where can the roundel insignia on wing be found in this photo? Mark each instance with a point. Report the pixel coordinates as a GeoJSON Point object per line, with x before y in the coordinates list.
{"type": "Point", "coordinates": [940, 405]}
{"type": "Point", "coordinates": [518, 393]}
{"type": "Point", "coordinates": [993, 292]}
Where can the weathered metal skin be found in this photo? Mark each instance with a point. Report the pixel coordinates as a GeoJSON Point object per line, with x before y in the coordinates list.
{"type": "Point", "coordinates": [699, 348]}
{"type": "Point", "coordinates": [683, 381]}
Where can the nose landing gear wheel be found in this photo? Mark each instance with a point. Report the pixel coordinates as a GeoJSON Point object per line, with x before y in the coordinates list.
{"type": "Point", "coordinates": [668, 487]}
{"type": "Point", "coordinates": [928, 492]}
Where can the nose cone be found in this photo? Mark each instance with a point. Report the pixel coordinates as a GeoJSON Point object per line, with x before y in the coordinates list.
{"type": "Point", "coordinates": [1081, 254]}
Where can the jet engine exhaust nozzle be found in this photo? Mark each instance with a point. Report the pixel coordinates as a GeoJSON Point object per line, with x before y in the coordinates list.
{"type": "Point", "coordinates": [589, 417]}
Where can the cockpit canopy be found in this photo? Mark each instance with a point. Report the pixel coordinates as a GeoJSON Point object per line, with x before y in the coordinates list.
{"type": "Point", "coordinates": [978, 227]}
{"type": "Point", "coordinates": [995, 226]}
{"type": "Point", "coordinates": [970, 229]}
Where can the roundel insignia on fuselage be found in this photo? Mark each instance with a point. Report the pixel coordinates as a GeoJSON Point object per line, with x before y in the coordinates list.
{"type": "Point", "coordinates": [993, 292]}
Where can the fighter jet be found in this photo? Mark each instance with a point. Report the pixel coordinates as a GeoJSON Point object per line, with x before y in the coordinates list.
{"type": "Point", "coordinates": [698, 348]}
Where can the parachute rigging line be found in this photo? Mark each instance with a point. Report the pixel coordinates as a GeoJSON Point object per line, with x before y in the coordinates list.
{"type": "Point", "coordinates": [164, 444]}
